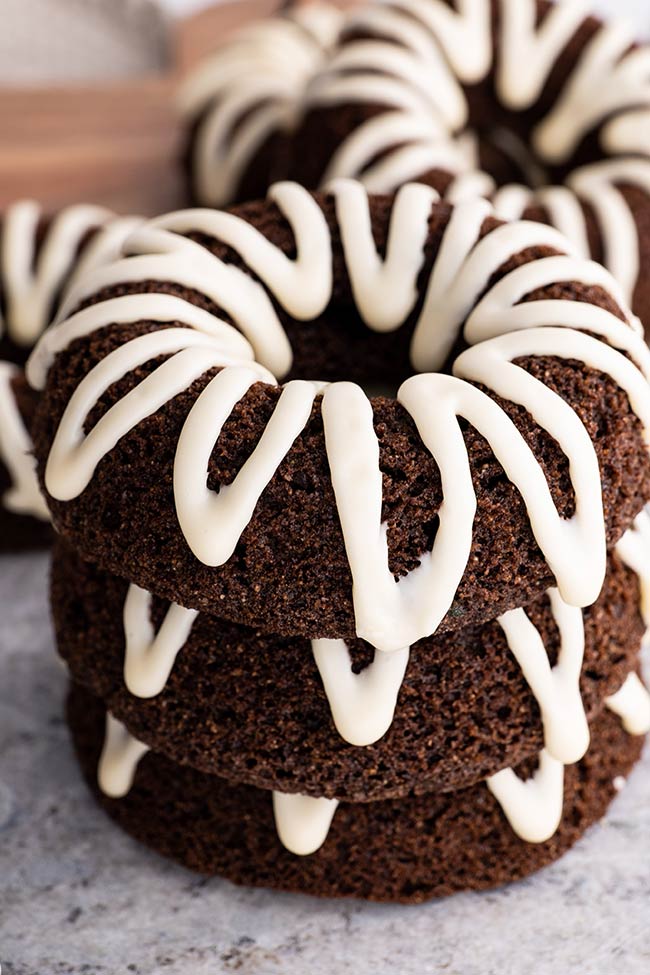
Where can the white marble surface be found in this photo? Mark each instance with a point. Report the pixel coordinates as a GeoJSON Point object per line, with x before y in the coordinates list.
{"type": "Point", "coordinates": [77, 896]}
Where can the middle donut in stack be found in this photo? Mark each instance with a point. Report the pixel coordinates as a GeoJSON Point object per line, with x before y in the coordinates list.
{"type": "Point", "coordinates": [315, 530]}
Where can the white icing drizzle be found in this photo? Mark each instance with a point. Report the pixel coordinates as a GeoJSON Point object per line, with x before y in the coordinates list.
{"type": "Point", "coordinates": [24, 496]}
{"type": "Point", "coordinates": [632, 704]}
{"type": "Point", "coordinates": [119, 759]}
{"type": "Point", "coordinates": [30, 285]}
{"type": "Point", "coordinates": [389, 614]}
{"type": "Point", "coordinates": [149, 658]}
{"type": "Point", "coordinates": [31, 289]}
{"type": "Point", "coordinates": [248, 90]}
{"type": "Point", "coordinates": [213, 522]}
{"type": "Point", "coordinates": [608, 78]}
{"type": "Point", "coordinates": [634, 551]}
{"type": "Point", "coordinates": [528, 53]}
{"type": "Point", "coordinates": [463, 33]}
{"type": "Point", "coordinates": [557, 689]}
{"type": "Point", "coordinates": [598, 186]}
{"type": "Point", "coordinates": [417, 54]}
{"type": "Point", "coordinates": [628, 132]}
{"type": "Point", "coordinates": [362, 705]}
{"type": "Point", "coordinates": [533, 806]}
{"type": "Point", "coordinates": [302, 822]}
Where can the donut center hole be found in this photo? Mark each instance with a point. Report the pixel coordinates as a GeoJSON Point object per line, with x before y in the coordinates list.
{"type": "Point", "coordinates": [519, 163]}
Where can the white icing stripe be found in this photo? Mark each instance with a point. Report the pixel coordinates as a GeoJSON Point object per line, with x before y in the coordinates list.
{"type": "Point", "coordinates": [159, 255]}
{"type": "Point", "coordinates": [628, 132]}
{"type": "Point", "coordinates": [214, 522]}
{"type": "Point", "coordinates": [119, 759]}
{"type": "Point", "coordinates": [302, 822]}
{"type": "Point", "coordinates": [385, 291]}
{"type": "Point", "coordinates": [23, 496]}
{"type": "Point", "coordinates": [149, 658]}
{"type": "Point", "coordinates": [248, 91]}
{"type": "Point", "coordinates": [557, 689]}
{"type": "Point", "coordinates": [598, 185]}
{"type": "Point", "coordinates": [74, 455]}
{"type": "Point", "coordinates": [462, 272]}
{"type": "Point", "coordinates": [362, 705]}
{"type": "Point", "coordinates": [533, 806]}
{"type": "Point", "coordinates": [128, 309]}
{"type": "Point", "coordinates": [30, 284]}
{"type": "Point", "coordinates": [634, 551]}
{"type": "Point", "coordinates": [605, 81]}
{"type": "Point", "coordinates": [632, 704]}
{"type": "Point", "coordinates": [464, 33]}
{"type": "Point", "coordinates": [103, 248]}
{"type": "Point", "coordinates": [389, 614]}
{"type": "Point", "coordinates": [302, 286]}
{"type": "Point", "coordinates": [388, 150]}
{"type": "Point", "coordinates": [528, 52]}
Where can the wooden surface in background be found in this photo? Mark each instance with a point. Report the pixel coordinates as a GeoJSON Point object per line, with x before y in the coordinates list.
{"type": "Point", "coordinates": [117, 144]}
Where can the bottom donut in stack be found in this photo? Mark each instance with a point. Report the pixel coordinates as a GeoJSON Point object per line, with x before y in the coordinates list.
{"type": "Point", "coordinates": [315, 766]}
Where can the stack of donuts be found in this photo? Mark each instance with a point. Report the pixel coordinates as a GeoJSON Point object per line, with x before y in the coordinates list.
{"type": "Point", "coordinates": [348, 481]}
{"type": "Point", "coordinates": [351, 643]}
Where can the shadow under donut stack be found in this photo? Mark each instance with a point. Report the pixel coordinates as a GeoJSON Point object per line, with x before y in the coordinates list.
{"type": "Point", "coordinates": [39, 258]}
{"type": "Point", "coordinates": [347, 645]}
{"type": "Point", "coordinates": [537, 105]}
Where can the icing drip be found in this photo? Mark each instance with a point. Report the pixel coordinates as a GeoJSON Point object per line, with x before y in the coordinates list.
{"type": "Point", "coordinates": [248, 91]}
{"type": "Point", "coordinates": [302, 822]}
{"type": "Point", "coordinates": [463, 33]}
{"type": "Point", "coordinates": [599, 187]}
{"type": "Point", "coordinates": [362, 705]}
{"type": "Point", "coordinates": [213, 522]}
{"type": "Point", "coordinates": [528, 52]}
{"type": "Point", "coordinates": [389, 614]}
{"type": "Point", "coordinates": [608, 78]}
{"type": "Point", "coordinates": [632, 704]}
{"type": "Point", "coordinates": [557, 689]}
{"type": "Point", "coordinates": [149, 657]}
{"type": "Point", "coordinates": [628, 132]}
{"type": "Point", "coordinates": [634, 551]}
{"type": "Point", "coordinates": [119, 759]}
{"type": "Point", "coordinates": [31, 285]}
{"type": "Point", "coordinates": [24, 496]}
{"type": "Point", "coordinates": [533, 806]}
{"type": "Point", "coordinates": [74, 455]}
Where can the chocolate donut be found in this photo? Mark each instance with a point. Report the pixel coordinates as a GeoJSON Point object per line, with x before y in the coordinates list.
{"type": "Point", "coordinates": [539, 99]}
{"type": "Point", "coordinates": [170, 456]}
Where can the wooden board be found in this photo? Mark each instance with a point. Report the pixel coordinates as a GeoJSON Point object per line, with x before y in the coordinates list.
{"type": "Point", "coordinates": [117, 144]}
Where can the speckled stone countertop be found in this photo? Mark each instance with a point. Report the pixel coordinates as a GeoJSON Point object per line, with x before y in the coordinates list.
{"type": "Point", "coordinates": [77, 896]}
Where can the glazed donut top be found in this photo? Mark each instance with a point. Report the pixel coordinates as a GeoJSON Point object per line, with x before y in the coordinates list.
{"type": "Point", "coordinates": [561, 95]}
{"type": "Point", "coordinates": [457, 292]}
